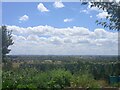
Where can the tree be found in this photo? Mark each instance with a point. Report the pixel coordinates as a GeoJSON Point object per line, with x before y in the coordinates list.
{"type": "Point", "coordinates": [6, 41]}
{"type": "Point", "coordinates": [112, 21]}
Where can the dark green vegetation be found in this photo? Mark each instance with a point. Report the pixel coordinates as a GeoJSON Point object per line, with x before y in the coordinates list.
{"type": "Point", "coordinates": [113, 10]}
{"type": "Point", "coordinates": [112, 22]}
{"type": "Point", "coordinates": [6, 41]}
{"type": "Point", "coordinates": [48, 72]}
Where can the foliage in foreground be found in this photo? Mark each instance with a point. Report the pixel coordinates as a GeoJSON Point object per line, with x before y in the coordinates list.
{"type": "Point", "coordinates": [112, 20]}
{"type": "Point", "coordinates": [60, 78]}
{"type": "Point", "coordinates": [70, 72]}
{"type": "Point", "coordinates": [6, 41]}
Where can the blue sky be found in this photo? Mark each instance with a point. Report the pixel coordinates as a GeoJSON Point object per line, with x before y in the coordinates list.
{"type": "Point", "coordinates": [13, 11]}
{"type": "Point", "coordinates": [68, 28]}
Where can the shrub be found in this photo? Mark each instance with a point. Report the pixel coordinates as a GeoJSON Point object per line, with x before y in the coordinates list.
{"type": "Point", "coordinates": [59, 78]}
{"type": "Point", "coordinates": [84, 80]}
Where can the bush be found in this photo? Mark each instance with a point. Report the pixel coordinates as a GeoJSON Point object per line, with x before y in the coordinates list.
{"type": "Point", "coordinates": [59, 78]}
{"type": "Point", "coordinates": [84, 80]}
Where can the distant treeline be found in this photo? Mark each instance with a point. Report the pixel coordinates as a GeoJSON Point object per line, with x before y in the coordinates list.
{"type": "Point", "coordinates": [65, 57]}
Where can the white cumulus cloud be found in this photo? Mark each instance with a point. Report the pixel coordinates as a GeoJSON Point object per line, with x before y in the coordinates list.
{"type": "Point", "coordinates": [89, 9]}
{"type": "Point", "coordinates": [102, 14]}
{"type": "Point", "coordinates": [24, 18]}
{"type": "Point", "coordinates": [58, 4]}
{"type": "Point", "coordinates": [91, 16]}
{"type": "Point", "coordinates": [68, 20]}
{"type": "Point", "coordinates": [84, 11]}
{"type": "Point", "coordinates": [42, 8]}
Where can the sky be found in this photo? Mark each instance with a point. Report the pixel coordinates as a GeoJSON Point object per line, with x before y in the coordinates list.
{"type": "Point", "coordinates": [57, 28]}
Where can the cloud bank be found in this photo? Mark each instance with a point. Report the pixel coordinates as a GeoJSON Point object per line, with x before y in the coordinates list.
{"type": "Point", "coordinates": [44, 40]}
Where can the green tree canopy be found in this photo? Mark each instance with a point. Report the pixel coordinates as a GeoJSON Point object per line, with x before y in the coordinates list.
{"type": "Point", "coordinates": [6, 41]}
{"type": "Point", "coordinates": [113, 20]}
